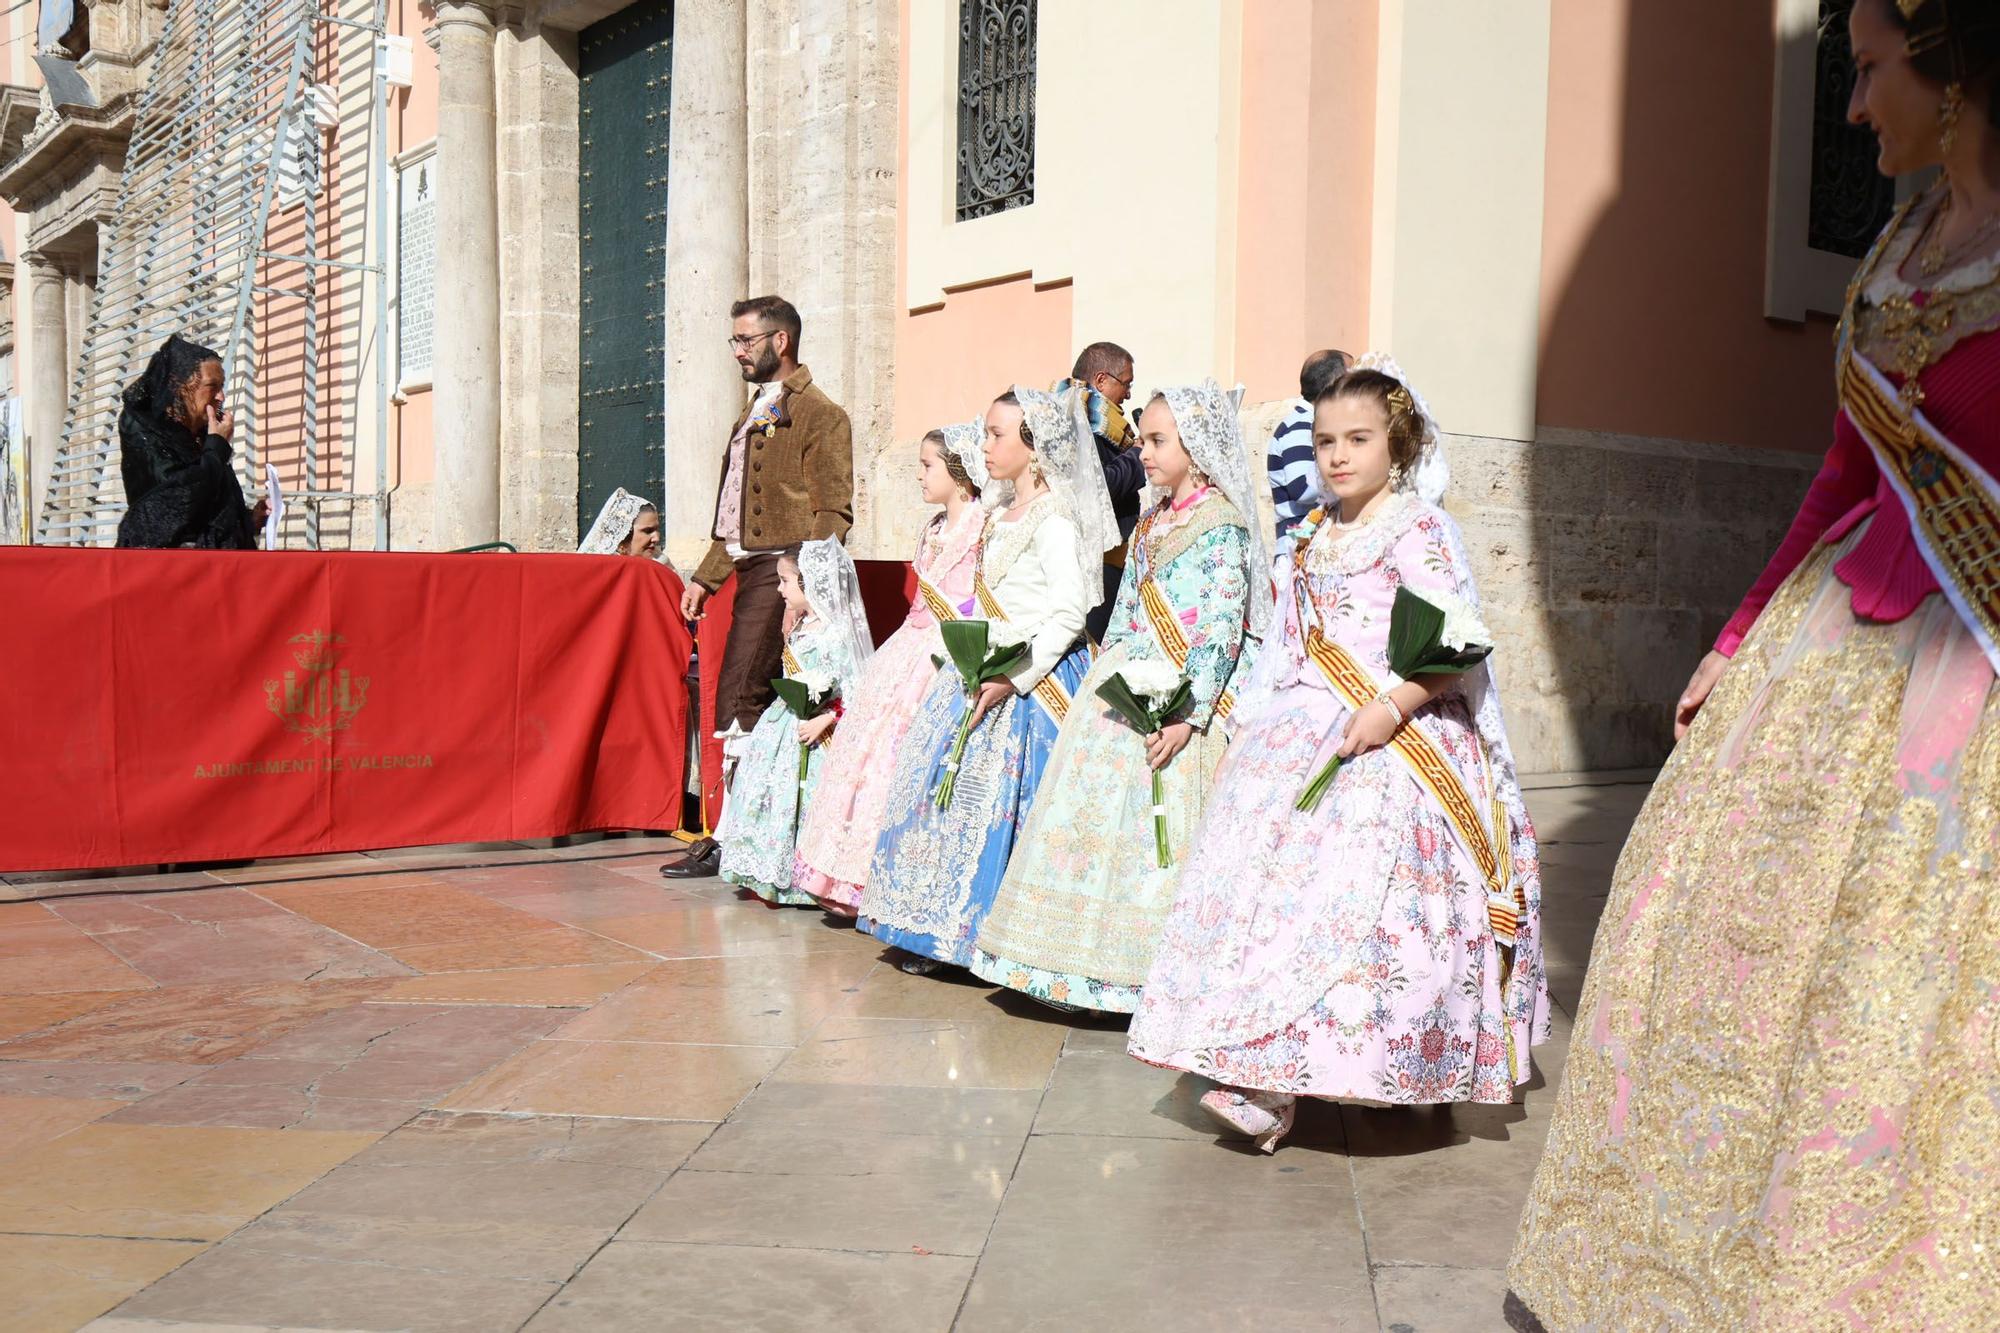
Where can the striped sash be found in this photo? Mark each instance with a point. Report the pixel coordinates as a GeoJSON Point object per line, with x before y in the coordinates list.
{"type": "Point", "coordinates": [1953, 503]}
{"type": "Point", "coordinates": [1054, 698]}
{"type": "Point", "coordinates": [1483, 835]}
{"type": "Point", "coordinates": [791, 661]}
{"type": "Point", "coordinates": [1169, 634]}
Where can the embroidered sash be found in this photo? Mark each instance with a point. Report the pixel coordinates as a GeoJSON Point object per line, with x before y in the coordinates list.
{"type": "Point", "coordinates": [792, 664]}
{"type": "Point", "coordinates": [1048, 690]}
{"type": "Point", "coordinates": [1953, 504]}
{"type": "Point", "coordinates": [1484, 837]}
{"type": "Point", "coordinates": [1169, 634]}
{"type": "Point", "coordinates": [936, 602]}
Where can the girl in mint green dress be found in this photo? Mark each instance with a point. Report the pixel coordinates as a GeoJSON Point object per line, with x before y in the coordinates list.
{"type": "Point", "coordinates": [826, 640]}
{"type": "Point", "coordinates": [1085, 897]}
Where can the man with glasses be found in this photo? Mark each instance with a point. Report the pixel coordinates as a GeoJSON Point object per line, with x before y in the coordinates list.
{"type": "Point", "coordinates": [1105, 370]}
{"type": "Point", "coordinates": [787, 477]}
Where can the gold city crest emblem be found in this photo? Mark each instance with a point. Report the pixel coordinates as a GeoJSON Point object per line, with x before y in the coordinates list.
{"type": "Point", "coordinates": [320, 697]}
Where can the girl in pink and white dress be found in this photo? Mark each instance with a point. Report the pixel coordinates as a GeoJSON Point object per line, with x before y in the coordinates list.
{"type": "Point", "coordinates": [1380, 946]}
{"type": "Point", "coordinates": [845, 814]}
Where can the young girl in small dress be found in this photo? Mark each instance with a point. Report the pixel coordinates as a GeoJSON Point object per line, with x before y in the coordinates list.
{"type": "Point", "coordinates": [826, 642]}
{"type": "Point", "coordinates": [1049, 522]}
{"type": "Point", "coordinates": [1085, 895]}
{"type": "Point", "coordinates": [837, 838]}
{"type": "Point", "coordinates": [1383, 945]}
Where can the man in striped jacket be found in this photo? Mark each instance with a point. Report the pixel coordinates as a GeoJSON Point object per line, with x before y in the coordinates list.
{"type": "Point", "coordinates": [1294, 473]}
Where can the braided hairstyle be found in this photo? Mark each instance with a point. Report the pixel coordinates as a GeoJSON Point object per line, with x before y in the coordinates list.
{"type": "Point", "coordinates": [1953, 41]}
{"type": "Point", "coordinates": [954, 467]}
{"type": "Point", "coordinates": [1409, 430]}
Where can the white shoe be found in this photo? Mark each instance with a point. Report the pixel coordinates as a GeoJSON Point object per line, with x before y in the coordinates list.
{"type": "Point", "coordinates": [1265, 1117]}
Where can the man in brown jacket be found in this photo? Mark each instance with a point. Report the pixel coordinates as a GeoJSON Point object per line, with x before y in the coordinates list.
{"type": "Point", "coordinates": [787, 477]}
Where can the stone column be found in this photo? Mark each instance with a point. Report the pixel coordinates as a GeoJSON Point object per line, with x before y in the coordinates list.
{"type": "Point", "coordinates": [47, 387]}
{"type": "Point", "coordinates": [708, 238]}
{"type": "Point", "coordinates": [466, 497]}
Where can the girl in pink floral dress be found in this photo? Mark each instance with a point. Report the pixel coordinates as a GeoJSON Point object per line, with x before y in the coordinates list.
{"type": "Point", "coordinates": [1383, 946]}
{"type": "Point", "coordinates": [841, 824]}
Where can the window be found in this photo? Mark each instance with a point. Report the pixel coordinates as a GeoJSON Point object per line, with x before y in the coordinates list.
{"type": "Point", "coordinates": [1851, 201]}
{"type": "Point", "coordinates": [1827, 200]}
{"type": "Point", "coordinates": [416, 269]}
{"type": "Point", "coordinates": [996, 106]}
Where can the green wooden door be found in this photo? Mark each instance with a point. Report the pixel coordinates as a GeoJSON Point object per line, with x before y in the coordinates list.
{"type": "Point", "coordinates": [626, 65]}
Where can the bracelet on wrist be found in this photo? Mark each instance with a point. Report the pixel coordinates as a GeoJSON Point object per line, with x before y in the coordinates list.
{"type": "Point", "coordinates": [1394, 712]}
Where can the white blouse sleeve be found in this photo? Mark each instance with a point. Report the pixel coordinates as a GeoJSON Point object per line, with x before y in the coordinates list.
{"type": "Point", "coordinates": [1064, 601]}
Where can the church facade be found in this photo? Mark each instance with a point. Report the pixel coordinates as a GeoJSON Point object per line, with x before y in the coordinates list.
{"type": "Point", "coordinates": [1612, 278]}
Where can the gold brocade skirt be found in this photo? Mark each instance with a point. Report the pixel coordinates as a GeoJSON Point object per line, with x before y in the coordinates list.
{"type": "Point", "coordinates": [1782, 1102]}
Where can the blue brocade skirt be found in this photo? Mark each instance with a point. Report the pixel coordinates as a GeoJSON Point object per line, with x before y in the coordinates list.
{"type": "Point", "coordinates": [936, 872]}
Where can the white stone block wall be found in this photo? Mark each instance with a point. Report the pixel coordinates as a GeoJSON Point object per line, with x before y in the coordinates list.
{"type": "Point", "coordinates": [823, 149]}
{"type": "Point", "coordinates": [1607, 564]}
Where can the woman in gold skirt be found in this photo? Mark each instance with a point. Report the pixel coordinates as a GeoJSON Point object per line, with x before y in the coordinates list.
{"type": "Point", "coordinates": [1782, 1102]}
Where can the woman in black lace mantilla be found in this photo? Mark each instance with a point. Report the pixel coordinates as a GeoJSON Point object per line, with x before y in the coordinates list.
{"type": "Point", "coordinates": [174, 435]}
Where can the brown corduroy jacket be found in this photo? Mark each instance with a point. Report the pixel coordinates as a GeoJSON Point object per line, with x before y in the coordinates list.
{"type": "Point", "coordinates": [798, 477]}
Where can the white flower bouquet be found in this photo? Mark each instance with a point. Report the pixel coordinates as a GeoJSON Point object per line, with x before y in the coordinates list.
{"type": "Point", "coordinates": [1147, 694]}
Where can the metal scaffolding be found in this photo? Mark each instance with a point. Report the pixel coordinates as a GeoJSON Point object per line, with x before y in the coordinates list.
{"type": "Point", "coordinates": [252, 216]}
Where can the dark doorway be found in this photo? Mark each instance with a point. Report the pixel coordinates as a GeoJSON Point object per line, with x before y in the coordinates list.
{"type": "Point", "coordinates": [626, 64]}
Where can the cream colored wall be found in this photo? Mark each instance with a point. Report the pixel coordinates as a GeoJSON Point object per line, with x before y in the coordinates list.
{"type": "Point", "coordinates": [1461, 128]}
{"type": "Point", "coordinates": [1135, 179]}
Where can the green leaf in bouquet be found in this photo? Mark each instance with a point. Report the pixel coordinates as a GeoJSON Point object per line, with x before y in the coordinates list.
{"type": "Point", "coordinates": [1416, 648]}
{"type": "Point", "coordinates": [965, 641]}
{"type": "Point", "coordinates": [1118, 694]}
{"type": "Point", "coordinates": [1178, 701]}
{"type": "Point", "coordinates": [1414, 629]}
{"type": "Point", "coordinates": [1003, 662]}
{"type": "Point", "coordinates": [795, 696]}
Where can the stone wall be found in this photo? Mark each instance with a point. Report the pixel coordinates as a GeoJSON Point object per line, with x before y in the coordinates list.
{"type": "Point", "coordinates": [823, 151]}
{"type": "Point", "coordinates": [540, 332]}
{"type": "Point", "coordinates": [1607, 564]}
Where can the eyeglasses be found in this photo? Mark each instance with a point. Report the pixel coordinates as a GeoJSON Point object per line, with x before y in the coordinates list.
{"type": "Point", "coordinates": [743, 342]}
{"type": "Point", "coordinates": [1120, 380]}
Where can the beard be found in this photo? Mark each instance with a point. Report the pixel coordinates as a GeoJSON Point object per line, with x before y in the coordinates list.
{"type": "Point", "coordinates": [765, 368]}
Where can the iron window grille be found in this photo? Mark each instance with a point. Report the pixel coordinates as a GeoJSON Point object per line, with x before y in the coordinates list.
{"type": "Point", "coordinates": [1851, 201]}
{"type": "Point", "coordinates": [996, 106]}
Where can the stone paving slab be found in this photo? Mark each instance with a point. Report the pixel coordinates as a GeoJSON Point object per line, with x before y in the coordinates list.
{"type": "Point", "coordinates": [497, 1088]}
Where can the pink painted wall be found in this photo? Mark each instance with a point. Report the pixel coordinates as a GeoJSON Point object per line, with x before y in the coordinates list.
{"type": "Point", "coordinates": [1654, 231]}
{"type": "Point", "coordinates": [952, 359]}
{"type": "Point", "coordinates": [1306, 170]}
{"type": "Point", "coordinates": [415, 118]}
{"type": "Point", "coordinates": [413, 123]}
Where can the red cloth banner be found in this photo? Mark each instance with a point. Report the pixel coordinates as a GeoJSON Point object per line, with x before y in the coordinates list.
{"type": "Point", "coordinates": [170, 706]}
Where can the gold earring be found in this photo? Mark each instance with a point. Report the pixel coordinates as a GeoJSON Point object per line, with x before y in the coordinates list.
{"type": "Point", "coordinates": [1954, 103]}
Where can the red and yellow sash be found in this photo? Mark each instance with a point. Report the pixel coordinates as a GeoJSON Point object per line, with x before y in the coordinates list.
{"type": "Point", "coordinates": [1953, 504]}
{"type": "Point", "coordinates": [1172, 638]}
{"type": "Point", "coordinates": [1485, 837]}
{"type": "Point", "coordinates": [792, 665]}
{"type": "Point", "coordinates": [1048, 689]}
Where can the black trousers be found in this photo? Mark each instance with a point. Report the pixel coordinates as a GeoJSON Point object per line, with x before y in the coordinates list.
{"type": "Point", "coordinates": [755, 650]}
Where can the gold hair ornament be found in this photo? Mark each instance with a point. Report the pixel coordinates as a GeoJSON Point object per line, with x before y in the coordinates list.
{"type": "Point", "coordinates": [1954, 103]}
